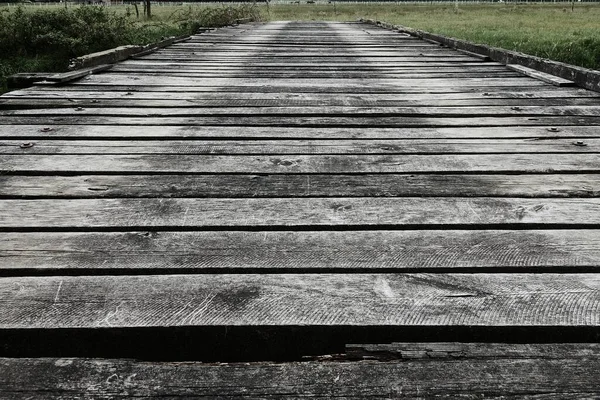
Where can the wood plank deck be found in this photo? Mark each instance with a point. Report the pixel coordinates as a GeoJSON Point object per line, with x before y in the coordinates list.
{"type": "Point", "coordinates": [281, 191]}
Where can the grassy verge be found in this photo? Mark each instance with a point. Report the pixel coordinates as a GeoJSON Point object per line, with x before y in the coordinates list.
{"type": "Point", "coordinates": [33, 40]}
{"type": "Point", "coordinates": [545, 30]}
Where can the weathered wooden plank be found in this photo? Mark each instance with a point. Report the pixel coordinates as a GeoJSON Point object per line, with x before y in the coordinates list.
{"type": "Point", "coordinates": [475, 351]}
{"type": "Point", "coordinates": [301, 164]}
{"type": "Point", "coordinates": [152, 99]}
{"type": "Point", "coordinates": [341, 66]}
{"type": "Point", "coordinates": [331, 89]}
{"type": "Point", "coordinates": [368, 55]}
{"type": "Point", "coordinates": [262, 147]}
{"type": "Point", "coordinates": [25, 79]}
{"type": "Point", "coordinates": [56, 130]}
{"type": "Point", "coordinates": [346, 112]}
{"type": "Point", "coordinates": [554, 80]}
{"type": "Point", "coordinates": [142, 80]}
{"type": "Point", "coordinates": [69, 93]}
{"type": "Point", "coordinates": [278, 44]}
{"type": "Point", "coordinates": [300, 299]}
{"type": "Point", "coordinates": [143, 66]}
{"type": "Point", "coordinates": [337, 251]}
{"type": "Point", "coordinates": [324, 75]}
{"type": "Point", "coordinates": [321, 213]}
{"type": "Point", "coordinates": [326, 121]}
{"type": "Point", "coordinates": [298, 185]}
{"type": "Point", "coordinates": [523, 377]}
{"type": "Point", "coordinates": [258, 60]}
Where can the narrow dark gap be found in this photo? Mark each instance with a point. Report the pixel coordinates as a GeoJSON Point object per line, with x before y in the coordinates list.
{"type": "Point", "coordinates": [258, 343]}
{"type": "Point", "coordinates": [303, 228]}
{"type": "Point", "coordinates": [110, 271]}
{"type": "Point", "coordinates": [283, 173]}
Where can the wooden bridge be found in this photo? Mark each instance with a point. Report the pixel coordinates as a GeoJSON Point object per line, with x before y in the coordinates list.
{"type": "Point", "coordinates": [300, 209]}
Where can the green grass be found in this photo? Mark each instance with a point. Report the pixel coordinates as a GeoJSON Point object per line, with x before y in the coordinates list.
{"type": "Point", "coordinates": [34, 39]}
{"type": "Point", "coordinates": [545, 30]}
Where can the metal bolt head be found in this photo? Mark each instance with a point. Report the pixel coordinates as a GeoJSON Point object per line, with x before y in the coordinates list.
{"type": "Point", "coordinates": [26, 145]}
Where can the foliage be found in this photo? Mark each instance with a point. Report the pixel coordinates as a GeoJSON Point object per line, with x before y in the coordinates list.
{"type": "Point", "coordinates": [45, 39]}
{"type": "Point", "coordinates": [546, 30]}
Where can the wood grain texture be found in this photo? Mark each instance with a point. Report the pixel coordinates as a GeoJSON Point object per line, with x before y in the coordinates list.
{"type": "Point", "coordinates": [59, 94]}
{"type": "Point", "coordinates": [458, 350]}
{"type": "Point", "coordinates": [167, 100]}
{"type": "Point", "coordinates": [313, 121]}
{"type": "Point", "coordinates": [315, 185]}
{"type": "Point", "coordinates": [45, 129]}
{"type": "Point", "coordinates": [348, 112]}
{"type": "Point", "coordinates": [300, 164]}
{"type": "Point", "coordinates": [306, 299]}
{"type": "Point", "coordinates": [296, 212]}
{"type": "Point", "coordinates": [419, 250]}
{"type": "Point", "coordinates": [142, 80]}
{"type": "Point", "coordinates": [257, 190]}
{"type": "Point", "coordinates": [523, 377]}
{"type": "Point", "coordinates": [262, 147]}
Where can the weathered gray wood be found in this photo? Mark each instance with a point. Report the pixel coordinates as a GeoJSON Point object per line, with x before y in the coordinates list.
{"type": "Point", "coordinates": [554, 80]}
{"type": "Point", "coordinates": [331, 89]}
{"type": "Point", "coordinates": [233, 251]}
{"type": "Point", "coordinates": [325, 74]}
{"type": "Point", "coordinates": [306, 299]}
{"type": "Point", "coordinates": [261, 147]}
{"type": "Point", "coordinates": [286, 164]}
{"type": "Point", "coordinates": [84, 93]}
{"type": "Point", "coordinates": [239, 196]}
{"type": "Point", "coordinates": [56, 130]}
{"type": "Point", "coordinates": [326, 121]}
{"type": "Point", "coordinates": [141, 67]}
{"type": "Point", "coordinates": [296, 212]}
{"type": "Point", "coordinates": [471, 378]}
{"type": "Point", "coordinates": [26, 79]}
{"type": "Point", "coordinates": [152, 99]}
{"type": "Point", "coordinates": [142, 80]}
{"type": "Point", "coordinates": [372, 112]}
{"type": "Point", "coordinates": [298, 185]}
{"type": "Point", "coordinates": [457, 351]}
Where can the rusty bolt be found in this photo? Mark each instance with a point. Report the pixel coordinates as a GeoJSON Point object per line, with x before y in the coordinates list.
{"type": "Point", "coordinates": [553, 129]}
{"type": "Point", "coordinates": [26, 145]}
{"type": "Point", "coordinates": [580, 143]}
{"type": "Point", "coordinates": [46, 129]}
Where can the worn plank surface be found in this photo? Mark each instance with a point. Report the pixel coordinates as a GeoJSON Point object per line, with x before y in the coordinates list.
{"type": "Point", "coordinates": [173, 213]}
{"type": "Point", "coordinates": [300, 185]}
{"type": "Point", "coordinates": [285, 300]}
{"type": "Point", "coordinates": [472, 371]}
{"type": "Point", "coordinates": [417, 250]}
{"type": "Point", "coordinates": [272, 191]}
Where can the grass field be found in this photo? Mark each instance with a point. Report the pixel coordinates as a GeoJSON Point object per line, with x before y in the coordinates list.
{"type": "Point", "coordinates": [44, 38]}
{"type": "Point", "coordinates": [545, 30]}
